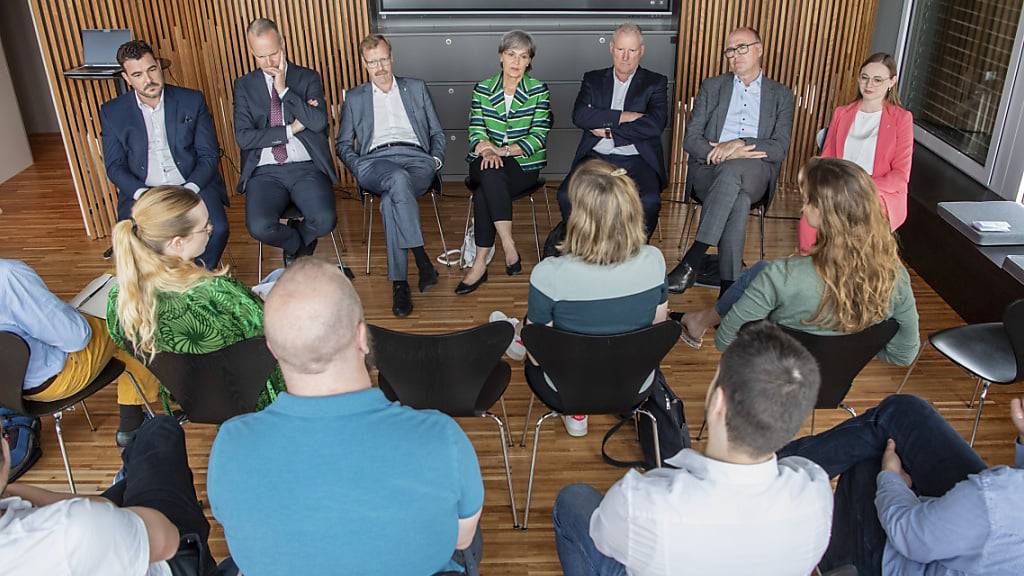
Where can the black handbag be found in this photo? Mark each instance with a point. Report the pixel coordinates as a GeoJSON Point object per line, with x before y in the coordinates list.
{"type": "Point", "coordinates": [189, 561]}
{"type": "Point", "coordinates": [673, 433]}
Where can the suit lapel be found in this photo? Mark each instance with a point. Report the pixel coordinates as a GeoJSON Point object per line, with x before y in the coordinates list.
{"type": "Point", "coordinates": [636, 85]}
{"type": "Point", "coordinates": [170, 119]}
{"type": "Point", "coordinates": [766, 119]}
{"type": "Point", "coordinates": [724, 97]}
{"type": "Point", "coordinates": [884, 141]}
{"type": "Point", "coordinates": [410, 109]}
{"type": "Point", "coordinates": [607, 91]}
{"type": "Point", "coordinates": [260, 93]}
{"type": "Point", "coordinates": [368, 122]}
{"type": "Point", "coordinates": [137, 135]}
{"type": "Point", "coordinates": [843, 129]}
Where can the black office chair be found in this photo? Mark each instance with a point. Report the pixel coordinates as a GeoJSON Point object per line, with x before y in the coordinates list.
{"type": "Point", "coordinates": [461, 374]}
{"type": "Point", "coordinates": [214, 387]}
{"type": "Point", "coordinates": [840, 359]}
{"type": "Point", "coordinates": [366, 198]}
{"type": "Point", "coordinates": [595, 375]}
{"type": "Point", "coordinates": [541, 185]}
{"type": "Point", "coordinates": [14, 355]}
{"type": "Point", "coordinates": [292, 213]}
{"type": "Point", "coordinates": [694, 204]}
{"type": "Point", "coordinates": [992, 352]}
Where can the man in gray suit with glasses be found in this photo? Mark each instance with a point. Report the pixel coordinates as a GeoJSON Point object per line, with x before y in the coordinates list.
{"type": "Point", "coordinates": [737, 139]}
{"type": "Point", "coordinates": [392, 142]}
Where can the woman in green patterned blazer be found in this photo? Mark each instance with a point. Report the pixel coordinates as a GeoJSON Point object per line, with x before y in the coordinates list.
{"type": "Point", "coordinates": [509, 120]}
{"type": "Point", "coordinates": [164, 302]}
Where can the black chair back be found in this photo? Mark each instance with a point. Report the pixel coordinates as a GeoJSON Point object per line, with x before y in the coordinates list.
{"type": "Point", "coordinates": [459, 373]}
{"type": "Point", "coordinates": [214, 387]}
{"type": "Point", "coordinates": [841, 358]}
{"type": "Point", "coordinates": [1013, 323]}
{"type": "Point", "coordinates": [600, 374]}
{"type": "Point", "coordinates": [14, 354]}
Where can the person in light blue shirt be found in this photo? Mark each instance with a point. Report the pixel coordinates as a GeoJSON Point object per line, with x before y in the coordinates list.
{"type": "Point", "coordinates": [332, 478]}
{"type": "Point", "coordinates": [914, 499]}
{"type": "Point", "coordinates": [743, 115]}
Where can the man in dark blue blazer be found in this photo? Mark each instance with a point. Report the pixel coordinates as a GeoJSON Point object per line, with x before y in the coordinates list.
{"type": "Point", "coordinates": [281, 129]}
{"type": "Point", "coordinates": [622, 111]}
{"type": "Point", "coordinates": [160, 135]}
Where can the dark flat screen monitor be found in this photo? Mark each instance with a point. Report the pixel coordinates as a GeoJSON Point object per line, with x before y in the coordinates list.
{"type": "Point", "coordinates": [518, 6]}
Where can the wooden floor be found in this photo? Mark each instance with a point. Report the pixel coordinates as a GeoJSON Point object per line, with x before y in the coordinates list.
{"type": "Point", "coordinates": [41, 224]}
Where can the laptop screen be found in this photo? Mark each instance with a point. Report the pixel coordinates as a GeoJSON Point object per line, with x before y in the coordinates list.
{"type": "Point", "coordinates": [100, 46]}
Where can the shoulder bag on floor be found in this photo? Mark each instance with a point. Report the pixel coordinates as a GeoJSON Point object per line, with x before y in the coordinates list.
{"type": "Point", "coordinates": [673, 433]}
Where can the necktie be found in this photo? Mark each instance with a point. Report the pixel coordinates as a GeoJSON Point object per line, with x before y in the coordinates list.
{"type": "Point", "coordinates": [280, 151]}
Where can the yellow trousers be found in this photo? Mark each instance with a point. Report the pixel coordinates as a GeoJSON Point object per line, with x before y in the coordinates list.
{"type": "Point", "coordinates": [82, 366]}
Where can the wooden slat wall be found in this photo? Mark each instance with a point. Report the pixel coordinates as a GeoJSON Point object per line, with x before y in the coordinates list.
{"type": "Point", "coordinates": [205, 41]}
{"type": "Point", "coordinates": [811, 46]}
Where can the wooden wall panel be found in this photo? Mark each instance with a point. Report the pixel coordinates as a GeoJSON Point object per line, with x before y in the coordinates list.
{"type": "Point", "coordinates": [811, 46]}
{"type": "Point", "coordinates": [205, 42]}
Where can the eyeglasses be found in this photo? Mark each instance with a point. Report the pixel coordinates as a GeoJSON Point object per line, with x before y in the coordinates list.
{"type": "Point", "coordinates": [872, 80]}
{"type": "Point", "coordinates": [739, 49]}
{"type": "Point", "coordinates": [372, 64]}
{"type": "Point", "coordinates": [207, 228]}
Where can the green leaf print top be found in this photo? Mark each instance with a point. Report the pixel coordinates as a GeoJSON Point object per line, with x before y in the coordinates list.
{"type": "Point", "coordinates": [213, 314]}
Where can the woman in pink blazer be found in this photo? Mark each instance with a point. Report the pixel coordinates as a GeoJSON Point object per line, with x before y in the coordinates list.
{"type": "Point", "coordinates": [878, 134]}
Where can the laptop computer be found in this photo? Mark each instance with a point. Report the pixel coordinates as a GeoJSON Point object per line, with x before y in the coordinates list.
{"type": "Point", "coordinates": [99, 51]}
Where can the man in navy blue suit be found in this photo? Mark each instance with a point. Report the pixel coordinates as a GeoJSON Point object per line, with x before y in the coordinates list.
{"type": "Point", "coordinates": [162, 135]}
{"type": "Point", "coordinates": [622, 111]}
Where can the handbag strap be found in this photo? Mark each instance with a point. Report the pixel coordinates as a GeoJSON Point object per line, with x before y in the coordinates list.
{"type": "Point", "coordinates": [612, 461]}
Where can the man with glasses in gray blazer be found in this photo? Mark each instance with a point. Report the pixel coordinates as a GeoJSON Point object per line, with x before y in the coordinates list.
{"type": "Point", "coordinates": [392, 142]}
{"type": "Point", "coordinates": [737, 138]}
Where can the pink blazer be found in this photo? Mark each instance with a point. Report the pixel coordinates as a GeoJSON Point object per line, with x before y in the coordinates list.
{"type": "Point", "coordinates": [894, 152]}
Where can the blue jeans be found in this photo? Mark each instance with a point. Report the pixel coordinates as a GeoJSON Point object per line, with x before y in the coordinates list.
{"type": "Point", "coordinates": [576, 551]}
{"type": "Point", "coordinates": [733, 294]}
{"type": "Point", "coordinates": [934, 454]}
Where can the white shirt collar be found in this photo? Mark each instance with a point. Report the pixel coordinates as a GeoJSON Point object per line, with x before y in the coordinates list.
{"type": "Point", "coordinates": [145, 107]}
{"type": "Point", "coordinates": [703, 467]}
{"type": "Point", "coordinates": [626, 81]}
{"type": "Point", "coordinates": [394, 85]}
{"type": "Point", "coordinates": [755, 84]}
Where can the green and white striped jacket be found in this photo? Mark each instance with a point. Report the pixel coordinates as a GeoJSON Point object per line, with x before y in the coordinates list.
{"type": "Point", "coordinates": [527, 124]}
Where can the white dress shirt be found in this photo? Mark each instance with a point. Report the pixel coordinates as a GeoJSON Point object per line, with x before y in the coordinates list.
{"type": "Point", "coordinates": [862, 140]}
{"type": "Point", "coordinates": [607, 145]}
{"type": "Point", "coordinates": [296, 149]}
{"type": "Point", "coordinates": [713, 517]}
{"type": "Point", "coordinates": [390, 120]}
{"type": "Point", "coordinates": [162, 169]}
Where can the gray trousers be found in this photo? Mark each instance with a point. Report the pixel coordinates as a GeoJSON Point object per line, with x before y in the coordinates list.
{"type": "Point", "coordinates": [399, 175]}
{"type": "Point", "coordinates": [726, 192]}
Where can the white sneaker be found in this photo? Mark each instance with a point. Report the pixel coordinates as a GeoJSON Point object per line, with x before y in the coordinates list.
{"type": "Point", "coordinates": [516, 350]}
{"type": "Point", "coordinates": [576, 426]}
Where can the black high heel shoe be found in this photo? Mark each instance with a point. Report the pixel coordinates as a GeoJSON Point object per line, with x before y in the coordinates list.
{"type": "Point", "coordinates": [464, 288]}
{"type": "Point", "coordinates": [516, 268]}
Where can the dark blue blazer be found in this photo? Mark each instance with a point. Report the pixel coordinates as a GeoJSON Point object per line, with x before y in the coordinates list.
{"type": "Point", "coordinates": [253, 131]}
{"type": "Point", "coordinates": [190, 136]}
{"type": "Point", "coordinates": [648, 94]}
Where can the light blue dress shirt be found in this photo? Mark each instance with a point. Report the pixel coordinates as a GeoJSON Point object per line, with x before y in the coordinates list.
{"type": "Point", "coordinates": [744, 113]}
{"type": "Point", "coordinates": [975, 528]}
{"type": "Point", "coordinates": [52, 327]}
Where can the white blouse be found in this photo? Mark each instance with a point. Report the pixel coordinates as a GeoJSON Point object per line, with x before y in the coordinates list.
{"type": "Point", "coordinates": [860, 142]}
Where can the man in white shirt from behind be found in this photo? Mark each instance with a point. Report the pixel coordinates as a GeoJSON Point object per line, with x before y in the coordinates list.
{"type": "Point", "coordinates": [734, 509]}
{"type": "Point", "coordinates": [44, 532]}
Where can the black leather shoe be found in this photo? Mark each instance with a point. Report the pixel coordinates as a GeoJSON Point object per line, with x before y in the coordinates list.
{"type": "Point", "coordinates": [681, 278]}
{"type": "Point", "coordinates": [401, 300]}
{"type": "Point", "coordinates": [516, 268]}
{"type": "Point", "coordinates": [108, 253]}
{"type": "Point", "coordinates": [307, 249]}
{"type": "Point", "coordinates": [427, 278]}
{"type": "Point", "coordinates": [464, 288]}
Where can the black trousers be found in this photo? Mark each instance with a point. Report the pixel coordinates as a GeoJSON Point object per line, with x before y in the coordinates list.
{"type": "Point", "coordinates": [272, 188]}
{"type": "Point", "coordinates": [496, 188]}
{"type": "Point", "coordinates": [157, 476]}
{"type": "Point", "coordinates": [643, 175]}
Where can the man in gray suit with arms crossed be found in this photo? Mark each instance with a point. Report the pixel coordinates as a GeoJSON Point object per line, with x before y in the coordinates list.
{"type": "Point", "coordinates": [391, 141]}
{"type": "Point", "coordinates": [737, 139]}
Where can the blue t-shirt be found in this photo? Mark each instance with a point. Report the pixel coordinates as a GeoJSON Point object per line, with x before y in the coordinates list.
{"type": "Point", "coordinates": [350, 484]}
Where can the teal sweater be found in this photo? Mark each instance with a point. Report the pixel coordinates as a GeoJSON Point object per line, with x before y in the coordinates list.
{"type": "Point", "coordinates": [788, 291]}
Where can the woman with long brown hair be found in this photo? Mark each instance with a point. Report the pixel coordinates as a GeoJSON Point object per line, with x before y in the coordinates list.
{"type": "Point", "coordinates": [851, 279]}
{"type": "Point", "coordinates": [164, 302]}
{"type": "Point", "coordinates": [876, 133]}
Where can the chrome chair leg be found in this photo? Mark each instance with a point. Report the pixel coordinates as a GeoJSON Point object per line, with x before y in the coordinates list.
{"type": "Point", "coordinates": [64, 450]}
{"type": "Point", "coordinates": [526, 422]}
{"type": "Point", "coordinates": [508, 469]}
{"type": "Point", "coordinates": [259, 265]}
{"type": "Point", "coordinates": [911, 369]}
{"type": "Point", "coordinates": [977, 416]}
{"type": "Point", "coordinates": [684, 239]}
{"type": "Point", "coordinates": [504, 418]}
{"type": "Point", "coordinates": [88, 417]}
{"type": "Point", "coordinates": [700, 433]}
{"type": "Point", "coordinates": [337, 253]}
{"type": "Point", "coordinates": [536, 237]}
{"type": "Point", "coordinates": [547, 206]}
{"type": "Point", "coordinates": [761, 218]}
{"type": "Point", "coordinates": [813, 412]}
{"type": "Point", "coordinates": [533, 466]}
{"type": "Point", "coordinates": [138, 390]}
{"type": "Point", "coordinates": [469, 214]}
{"type": "Point", "coordinates": [440, 229]}
{"type": "Point", "coordinates": [369, 234]}
{"type": "Point", "coordinates": [845, 406]}
{"type": "Point", "coordinates": [654, 432]}
{"type": "Point", "coordinates": [974, 396]}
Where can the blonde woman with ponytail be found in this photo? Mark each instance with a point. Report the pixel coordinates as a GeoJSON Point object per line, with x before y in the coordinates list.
{"type": "Point", "coordinates": [164, 302]}
{"type": "Point", "coordinates": [852, 279]}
